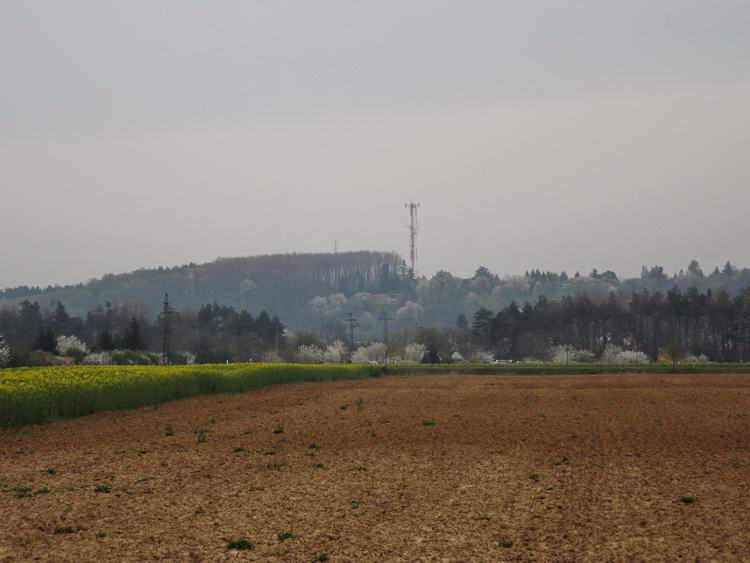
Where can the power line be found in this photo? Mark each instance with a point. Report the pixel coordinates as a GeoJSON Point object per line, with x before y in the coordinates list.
{"type": "Point", "coordinates": [385, 318]}
{"type": "Point", "coordinates": [165, 314]}
{"type": "Point", "coordinates": [352, 322]}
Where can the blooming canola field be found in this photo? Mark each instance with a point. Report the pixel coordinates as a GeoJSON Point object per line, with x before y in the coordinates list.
{"type": "Point", "coordinates": [42, 394]}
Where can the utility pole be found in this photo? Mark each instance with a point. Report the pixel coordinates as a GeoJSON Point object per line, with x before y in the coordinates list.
{"type": "Point", "coordinates": [166, 328]}
{"type": "Point", "coordinates": [385, 318]}
{"type": "Point", "coordinates": [352, 321]}
{"type": "Point", "coordinates": [413, 227]}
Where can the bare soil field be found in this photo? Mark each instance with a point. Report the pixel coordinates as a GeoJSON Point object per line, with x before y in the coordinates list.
{"type": "Point", "coordinates": [433, 468]}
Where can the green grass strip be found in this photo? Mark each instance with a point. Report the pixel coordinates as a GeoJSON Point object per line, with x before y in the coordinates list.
{"type": "Point", "coordinates": [565, 369]}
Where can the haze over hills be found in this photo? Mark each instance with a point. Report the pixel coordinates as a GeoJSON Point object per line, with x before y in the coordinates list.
{"type": "Point", "coordinates": [308, 291]}
{"type": "Point", "coordinates": [283, 283]}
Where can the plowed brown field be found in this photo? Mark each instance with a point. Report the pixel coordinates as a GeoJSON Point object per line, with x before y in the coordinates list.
{"type": "Point", "coordinates": [438, 468]}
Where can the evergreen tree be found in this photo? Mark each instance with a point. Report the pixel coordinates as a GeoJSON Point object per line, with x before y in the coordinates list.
{"type": "Point", "coordinates": [481, 328]}
{"type": "Point", "coordinates": [105, 341]}
{"type": "Point", "coordinates": [462, 322]}
{"type": "Point", "coordinates": [46, 340]}
{"type": "Point", "coordinates": [133, 340]}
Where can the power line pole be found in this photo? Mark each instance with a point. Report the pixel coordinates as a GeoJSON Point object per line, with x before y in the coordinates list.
{"type": "Point", "coordinates": [413, 228]}
{"type": "Point", "coordinates": [166, 329]}
{"type": "Point", "coordinates": [385, 318]}
{"type": "Point", "coordinates": [352, 321]}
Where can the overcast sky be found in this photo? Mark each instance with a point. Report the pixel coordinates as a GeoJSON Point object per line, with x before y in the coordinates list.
{"type": "Point", "coordinates": [558, 135]}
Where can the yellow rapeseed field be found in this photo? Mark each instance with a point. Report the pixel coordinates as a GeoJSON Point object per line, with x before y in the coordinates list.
{"type": "Point", "coordinates": [41, 394]}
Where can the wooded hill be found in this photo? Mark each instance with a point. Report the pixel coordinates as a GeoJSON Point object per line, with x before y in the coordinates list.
{"type": "Point", "coordinates": [316, 291]}
{"type": "Point", "coordinates": [281, 284]}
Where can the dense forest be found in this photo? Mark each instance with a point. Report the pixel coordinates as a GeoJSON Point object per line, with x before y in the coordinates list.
{"type": "Point", "coordinates": [212, 334]}
{"type": "Point", "coordinates": [220, 308]}
{"type": "Point", "coordinates": [284, 284]}
{"type": "Point", "coordinates": [691, 323]}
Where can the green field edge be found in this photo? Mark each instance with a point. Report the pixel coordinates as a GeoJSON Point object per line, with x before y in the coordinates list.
{"type": "Point", "coordinates": [41, 395]}
{"type": "Point", "coordinates": [567, 369]}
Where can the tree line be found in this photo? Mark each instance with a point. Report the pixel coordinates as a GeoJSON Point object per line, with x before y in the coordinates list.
{"type": "Point", "coordinates": [709, 323]}
{"type": "Point", "coordinates": [212, 334]}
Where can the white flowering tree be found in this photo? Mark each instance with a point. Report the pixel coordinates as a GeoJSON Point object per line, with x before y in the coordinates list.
{"type": "Point", "coordinates": [70, 345]}
{"type": "Point", "coordinates": [410, 313]}
{"type": "Point", "coordinates": [99, 359]}
{"type": "Point", "coordinates": [566, 354]}
{"type": "Point", "coordinates": [633, 357]}
{"type": "Point", "coordinates": [610, 354]}
{"type": "Point", "coordinates": [414, 352]}
{"type": "Point", "coordinates": [310, 354]}
{"type": "Point", "coordinates": [328, 307]}
{"type": "Point", "coordinates": [375, 352]}
{"type": "Point", "coordinates": [4, 352]}
{"type": "Point", "coordinates": [613, 354]}
{"type": "Point", "coordinates": [335, 353]}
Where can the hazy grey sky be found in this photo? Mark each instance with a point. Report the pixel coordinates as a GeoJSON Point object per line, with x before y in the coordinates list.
{"type": "Point", "coordinates": [559, 135]}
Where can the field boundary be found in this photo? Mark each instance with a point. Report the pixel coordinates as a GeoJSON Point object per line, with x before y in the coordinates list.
{"type": "Point", "coordinates": [567, 369]}
{"type": "Point", "coordinates": [44, 394]}
{"type": "Point", "coordinates": [38, 395]}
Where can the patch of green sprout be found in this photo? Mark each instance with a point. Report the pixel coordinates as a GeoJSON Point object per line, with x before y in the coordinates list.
{"type": "Point", "coordinates": [240, 545]}
{"type": "Point", "coordinates": [22, 492]}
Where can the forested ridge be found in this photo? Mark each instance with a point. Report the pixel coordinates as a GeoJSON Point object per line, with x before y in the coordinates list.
{"type": "Point", "coordinates": [315, 292]}
{"type": "Point", "coordinates": [284, 284]}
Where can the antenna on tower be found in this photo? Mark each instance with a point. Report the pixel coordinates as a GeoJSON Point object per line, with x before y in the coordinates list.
{"type": "Point", "coordinates": [413, 227]}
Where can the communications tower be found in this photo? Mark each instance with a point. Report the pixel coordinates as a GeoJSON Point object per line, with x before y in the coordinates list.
{"type": "Point", "coordinates": [413, 227]}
